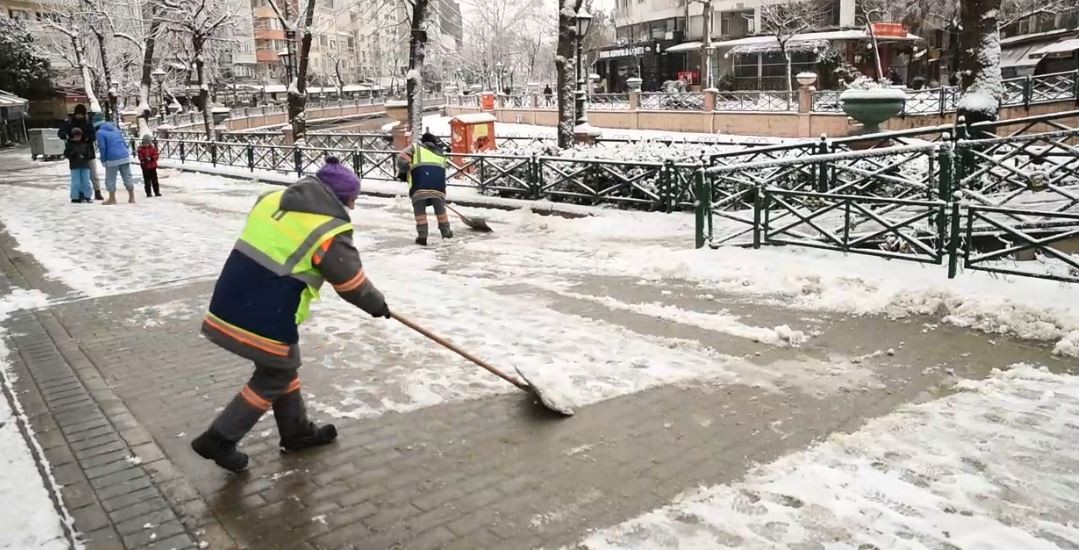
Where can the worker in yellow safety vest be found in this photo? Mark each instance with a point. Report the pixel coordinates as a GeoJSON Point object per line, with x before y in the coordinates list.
{"type": "Point", "coordinates": [427, 184]}
{"type": "Point", "coordinates": [293, 240]}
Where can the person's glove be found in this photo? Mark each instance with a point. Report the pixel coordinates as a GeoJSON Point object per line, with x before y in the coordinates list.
{"type": "Point", "coordinates": [383, 312]}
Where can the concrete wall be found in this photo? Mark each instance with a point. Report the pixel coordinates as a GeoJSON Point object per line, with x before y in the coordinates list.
{"type": "Point", "coordinates": [313, 114]}
{"type": "Point", "coordinates": [772, 124]}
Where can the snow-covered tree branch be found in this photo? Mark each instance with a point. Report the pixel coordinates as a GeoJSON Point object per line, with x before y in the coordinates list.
{"type": "Point", "coordinates": [787, 19]}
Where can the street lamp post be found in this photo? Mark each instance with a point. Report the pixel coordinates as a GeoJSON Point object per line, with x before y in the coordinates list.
{"type": "Point", "coordinates": [159, 76]}
{"type": "Point", "coordinates": [498, 81]}
{"type": "Point", "coordinates": [583, 21]}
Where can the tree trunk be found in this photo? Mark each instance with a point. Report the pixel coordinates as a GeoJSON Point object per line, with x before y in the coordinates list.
{"type": "Point", "coordinates": [204, 92]}
{"type": "Point", "coordinates": [417, 52]}
{"type": "Point", "coordinates": [110, 109]}
{"type": "Point", "coordinates": [146, 80]}
{"type": "Point", "coordinates": [979, 60]}
{"type": "Point", "coordinates": [790, 77]}
{"type": "Point", "coordinates": [876, 49]}
{"type": "Point", "coordinates": [297, 91]}
{"type": "Point", "coordinates": [563, 61]}
{"type": "Point", "coordinates": [87, 78]}
{"type": "Point", "coordinates": [706, 46]}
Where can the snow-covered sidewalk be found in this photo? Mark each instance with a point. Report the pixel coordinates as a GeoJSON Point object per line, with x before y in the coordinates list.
{"type": "Point", "coordinates": [994, 466]}
{"type": "Point", "coordinates": [31, 518]}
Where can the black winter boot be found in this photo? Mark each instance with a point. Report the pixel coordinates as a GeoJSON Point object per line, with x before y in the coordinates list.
{"type": "Point", "coordinates": [97, 195]}
{"type": "Point", "coordinates": [297, 432]}
{"type": "Point", "coordinates": [422, 241]}
{"type": "Point", "coordinates": [213, 446]}
{"type": "Point", "coordinates": [316, 436]}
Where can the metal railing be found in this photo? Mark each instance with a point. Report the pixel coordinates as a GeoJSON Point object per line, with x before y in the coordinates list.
{"type": "Point", "coordinates": [662, 101]}
{"type": "Point", "coordinates": [608, 102]}
{"type": "Point", "coordinates": [757, 101]}
{"type": "Point", "coordinates": [1015, 185]}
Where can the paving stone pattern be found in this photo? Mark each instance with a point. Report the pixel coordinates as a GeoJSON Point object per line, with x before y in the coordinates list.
{"type": "Point", "coordinates": [487, 473]}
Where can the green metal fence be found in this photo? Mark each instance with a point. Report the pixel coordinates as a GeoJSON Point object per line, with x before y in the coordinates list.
{"type": "Point", "coordinates": [1014, 190]}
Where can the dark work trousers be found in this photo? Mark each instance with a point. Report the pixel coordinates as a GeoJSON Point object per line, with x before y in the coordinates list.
{"type": "Point", "coordinates": [419, 207]}
{"type": "Point", "coordinates": [149, 181]}
{"type": "Point", "coordinates": [268, 387]}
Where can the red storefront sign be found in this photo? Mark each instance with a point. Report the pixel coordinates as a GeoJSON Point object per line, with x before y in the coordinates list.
{"type": "Point", "coordinates": [890, 30]}
{"type": "Point", "coordinates": [689, 77]}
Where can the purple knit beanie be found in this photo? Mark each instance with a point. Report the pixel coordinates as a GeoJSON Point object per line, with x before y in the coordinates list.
{"type": "Point", "coordinates": [339, 178]}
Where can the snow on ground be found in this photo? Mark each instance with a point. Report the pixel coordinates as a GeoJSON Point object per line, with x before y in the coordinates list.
{"type": "Point", "coordinates": [463, 294]}
{"type": "Point", "coordinates": [31, 518]}
{"type": "Point", "coordinates": [803, 278]}
{"type": "Point", "coordinates": [440, 126]}
{"type": "Point", "coordinates": [994, 466]}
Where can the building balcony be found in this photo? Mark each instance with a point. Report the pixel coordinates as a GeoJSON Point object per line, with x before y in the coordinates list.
{"type": "Point", "coordinates": [269, 34]}
{"type": "Point", "coordinates": [267, 56]}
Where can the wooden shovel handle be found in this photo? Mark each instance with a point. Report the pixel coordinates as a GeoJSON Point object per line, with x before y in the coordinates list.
{"type": "Point", "coordinates": [444, 343]}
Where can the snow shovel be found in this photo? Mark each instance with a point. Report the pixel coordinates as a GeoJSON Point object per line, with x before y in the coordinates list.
{"type": "Point", "coordinates": [477, 224]}
{"type": "Point", "coordinates": [548, 397]}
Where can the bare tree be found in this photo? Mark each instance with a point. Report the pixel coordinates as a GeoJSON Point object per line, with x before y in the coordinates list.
{"type": "Point", "coordinates": [202, 21]}
{"type": "Point", "coordinates": [979, 59]}
{"type": "Point", "coordinates": [787, 19]}
{"type": "Point", "coordinates": [68, 23]}
{"type": "Point", "coordinates": [417, 53]}
{"type": "Point", "coordinates": [145, 41]}
{"type": "Point", "coordinates": [564, 69]}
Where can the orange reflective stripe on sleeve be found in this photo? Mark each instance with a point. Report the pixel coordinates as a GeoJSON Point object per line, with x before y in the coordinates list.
{"type": "Point", "coordinates": [321, 251]}
{"type": "Point", "coordinates": [254, 399]}
{"type": "Point", "coordinates": [352, 283]}
{"type": "Point", "coordinates": [293, 386]}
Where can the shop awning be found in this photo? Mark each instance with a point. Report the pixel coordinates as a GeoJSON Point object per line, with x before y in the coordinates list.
{"type": "Point", "coordinates": [1019, 56]}
{"type": "Point", "coordinates": [1064, 46]}
{"type": "Point", "coordinates": [685, 47]}
{"type": "Point", "coordinates": [11, 100]}
{"type": "Point", "coordinates": [810, 41]}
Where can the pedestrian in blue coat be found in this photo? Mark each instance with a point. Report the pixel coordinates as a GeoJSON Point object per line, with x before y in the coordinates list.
{"type": "Point", "coordinates": [115, 156]}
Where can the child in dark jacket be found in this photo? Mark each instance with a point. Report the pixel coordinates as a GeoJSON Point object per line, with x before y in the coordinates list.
{"type": "Point", "coordinates": [79, 151]}
{"type": "Point", "coordinates": [148, 161]}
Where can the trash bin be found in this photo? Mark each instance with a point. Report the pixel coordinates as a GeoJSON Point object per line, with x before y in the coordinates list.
{"type": "Point", "coordinates": [45, 144]}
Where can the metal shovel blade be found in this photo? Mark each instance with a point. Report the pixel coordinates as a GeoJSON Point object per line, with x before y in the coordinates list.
{"type": "Point", "coordinates": [475, 223]}
{"type": "Point", "coordinates": [548, 395]}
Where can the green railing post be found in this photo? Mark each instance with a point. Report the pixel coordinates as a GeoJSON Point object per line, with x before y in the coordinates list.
{"type": "Point", "coordinates": [759, 204]}
{"type": "Point", "coordinates": [297, 160]}
{"type": "Point", "coordinates": [822, 168]}
{"type": "Point", "coordinates": [846, 224]}
{"type": "Point", "coordinates": [1075, 86]}
{"type": "Point", "coordinates": [183, 154]}
{"type": "Point", "coordinates": [535, 177]}
{"type": "Point", "coordinates": [946, 158]}
{"type": "Point", "coordinates": [943, 97]}
{"type": "Point", "coordinates": [666, 179]}
{"type": "Point", "coordinates": [702, 208]}
{"type": "Point", "coordinates": [1028, 91]}
{"type": "Point", "coordinates": [953, 239]}
{"type": "Point", "coordinates": [250, 157]}
{"type": "Point", "coordinates": [356, 161]}
{"type": "Point", "coordinates": [213, 153]}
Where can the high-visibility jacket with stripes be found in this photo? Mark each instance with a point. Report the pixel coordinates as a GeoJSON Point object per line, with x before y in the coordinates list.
{"type": "Point", "coordinates": [427, 173]}
{"type": "Point", "coordinates": [269, 281]}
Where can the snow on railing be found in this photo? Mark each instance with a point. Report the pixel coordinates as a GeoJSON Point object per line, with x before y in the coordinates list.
{"type": "Point", "coordinates": [609, 102]}
{"type": "Point", "coordinates": [764, 101]}
{"type": "Point", "coordinates": [677, 101]}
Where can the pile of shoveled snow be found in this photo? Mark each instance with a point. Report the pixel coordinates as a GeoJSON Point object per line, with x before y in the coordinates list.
{"type": "Point", "coordinates": [991, 467]}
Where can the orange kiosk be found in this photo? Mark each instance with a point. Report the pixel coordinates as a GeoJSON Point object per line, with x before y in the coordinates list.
{"type": "Point", "coordinates": [487, 102]}
{"type": "Point", "coordinates": [471, 133]}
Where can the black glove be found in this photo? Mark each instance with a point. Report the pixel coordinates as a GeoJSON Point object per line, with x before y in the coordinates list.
{"type": "Point", "coordinates": [384, 311]}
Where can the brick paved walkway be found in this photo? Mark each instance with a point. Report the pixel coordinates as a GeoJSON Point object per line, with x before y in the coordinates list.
{"type": "Point", "coordinates": [104, 381]}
